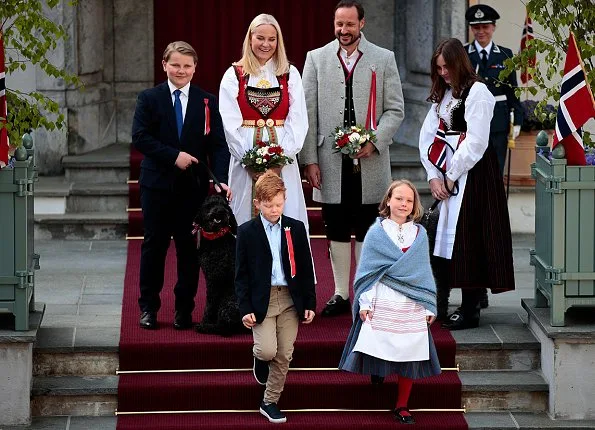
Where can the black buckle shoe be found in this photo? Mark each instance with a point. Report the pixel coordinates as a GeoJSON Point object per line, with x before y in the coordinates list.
{"type": "Point", "coordinates": [260, 370]}
{"type": "Point", "coordinates": [272, 412]}
{"type": "Point", "coordinates": [182, 321]}
{"type": "Point", "coordinates": [148, 320]}
{"type": "Point", "coordinates": [337, 305]}
{"type": "Point", "coordinates": [403, 419]}
{"type": "Point", "coordinates": [458, 321]}
{"type": "Point", "coordinates": [376, 380]}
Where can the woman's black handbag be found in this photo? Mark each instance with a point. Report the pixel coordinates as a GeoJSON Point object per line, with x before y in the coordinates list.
{"type": "Point", "coordinates": [430, 222]}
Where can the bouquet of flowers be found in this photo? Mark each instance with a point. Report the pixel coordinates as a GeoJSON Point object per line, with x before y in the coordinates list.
{"type": "Point", "coordinates": [265, 155]}
{"type": "Point", "coordinates": [350, 140]}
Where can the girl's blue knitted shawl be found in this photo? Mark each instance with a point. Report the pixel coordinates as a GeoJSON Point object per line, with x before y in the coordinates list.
{"type": "Point", "coordinates": [409, 272]}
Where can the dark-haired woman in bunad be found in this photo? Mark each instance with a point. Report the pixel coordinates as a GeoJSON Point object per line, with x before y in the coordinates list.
{"type": "Point", "coordinates": [473, 248]}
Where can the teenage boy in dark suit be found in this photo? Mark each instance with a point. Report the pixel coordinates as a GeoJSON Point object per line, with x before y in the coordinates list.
{"type": "Point", "coordinates": [175, 125]}
{"type": "Point", "coordinates": [275, 287]}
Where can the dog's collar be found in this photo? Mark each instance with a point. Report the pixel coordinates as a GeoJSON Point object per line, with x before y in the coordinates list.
{"type": "Point", "coordinates": [215, 235]}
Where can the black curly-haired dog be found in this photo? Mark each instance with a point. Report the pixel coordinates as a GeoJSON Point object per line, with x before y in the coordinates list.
{"type": "Point", "coordinates": [216, 254]}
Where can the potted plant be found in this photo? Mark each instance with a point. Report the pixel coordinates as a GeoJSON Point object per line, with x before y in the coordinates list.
{"type": "Point", "coordinates": [535, 119]}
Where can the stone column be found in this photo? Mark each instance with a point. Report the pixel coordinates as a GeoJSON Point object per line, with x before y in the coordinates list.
{"type": "Point", "coordinates": [90, 112]}
{"type": "Point", "coordinates": [132, 38]}
{"type": "Point", "coordinates": [420, 25]}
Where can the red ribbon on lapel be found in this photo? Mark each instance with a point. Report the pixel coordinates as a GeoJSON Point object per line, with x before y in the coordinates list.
{"type": "Point", "coordinates": [371, 117]}
{"type": "Point", "coordinates": [290, 251]}
{"type": "Point", "coordinates": [207, 117]}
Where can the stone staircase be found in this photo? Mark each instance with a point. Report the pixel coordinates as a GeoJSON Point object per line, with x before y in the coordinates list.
{"type": "Point", "coordinates": [89, 201]}
{"type": "Point", "coordinates": [499, 367]}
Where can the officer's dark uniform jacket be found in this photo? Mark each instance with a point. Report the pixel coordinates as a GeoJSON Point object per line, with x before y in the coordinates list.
{"type": "Point", "coordinates": [504, 92]}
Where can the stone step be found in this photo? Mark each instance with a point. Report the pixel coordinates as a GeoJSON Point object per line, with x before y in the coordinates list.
{"type": "Point", "coordinates": [97, 395]}
{"type": "Point", "coordinates": [504, 390]}
{"type": "Point", "coordinates": [97, 197]}
{"type": "Point", "coordinates": [74, 395]}
{"type": "Point", "coordinates": [522, 421]}
{"type": "Point", "coordinates": [82, 226]}
{"type": "Point", "coordinates": [79, 362]}
{"type": "Point", "coordinates": [476, 421]}
{"type": "Point", "coordinates": [405, 163]}
{"type": "Point", "coordinates": [109, 164]}
{"type": "Point", "coordinates": [500, 343]}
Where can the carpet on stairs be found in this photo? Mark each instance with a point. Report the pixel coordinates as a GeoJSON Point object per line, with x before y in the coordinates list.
{"type": "Point", "coordinates": [319, 345]}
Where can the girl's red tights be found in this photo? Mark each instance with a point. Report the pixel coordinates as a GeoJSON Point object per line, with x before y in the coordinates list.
{"type": "Point", "coordinates": [405, 385]}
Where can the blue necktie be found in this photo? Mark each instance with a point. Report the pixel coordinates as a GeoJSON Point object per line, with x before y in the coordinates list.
{"type": "Point", "coordinates": [178, 110]}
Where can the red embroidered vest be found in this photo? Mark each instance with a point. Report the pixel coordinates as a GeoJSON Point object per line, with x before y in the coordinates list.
{"type": "Point", "coordinates": [263, 103]}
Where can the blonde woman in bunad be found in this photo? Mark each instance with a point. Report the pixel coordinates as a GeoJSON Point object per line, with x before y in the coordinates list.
{"type": "Point", "coordinates": [473, 248]}
{"type": "Point", "coordinates": [395, 299]}
{"type": "Point", "coordinates": [261, 98]}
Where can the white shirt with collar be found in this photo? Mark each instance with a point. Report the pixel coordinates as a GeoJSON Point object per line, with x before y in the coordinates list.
{"type": "Point", "coordinates": [349, 60]}
{"type": "Point", "coordinates": [183, 95]}
{"type": "Point", "coordinates": [488, 48]}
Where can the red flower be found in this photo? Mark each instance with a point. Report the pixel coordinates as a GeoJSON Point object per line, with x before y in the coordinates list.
{"type": "Point", "coordinates": [260, 143]}
{"type": "Point", "coordinates": [275, 150]}
{"type": "Point", "coordinates": [343, 141]}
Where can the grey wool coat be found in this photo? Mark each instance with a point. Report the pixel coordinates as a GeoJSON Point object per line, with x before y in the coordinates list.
{"type": "Point", "coordinates": [324, 86]}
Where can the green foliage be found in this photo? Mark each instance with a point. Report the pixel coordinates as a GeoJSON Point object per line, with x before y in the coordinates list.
{"type": "Point", "coordinates": [558, 17]}
{"type": "Point", "coordinates": [28, 35]}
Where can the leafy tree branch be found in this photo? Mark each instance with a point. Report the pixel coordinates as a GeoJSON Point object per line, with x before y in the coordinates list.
{"type": "Point", "coordinates": [29, 37]}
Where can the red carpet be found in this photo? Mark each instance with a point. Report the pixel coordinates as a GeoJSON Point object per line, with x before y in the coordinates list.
{"type": "Point", "coordinates": [318, 345]}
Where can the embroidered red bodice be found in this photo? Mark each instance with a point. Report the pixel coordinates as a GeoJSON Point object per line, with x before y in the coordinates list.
{"type": "Point", "coordinates": [262, 103]}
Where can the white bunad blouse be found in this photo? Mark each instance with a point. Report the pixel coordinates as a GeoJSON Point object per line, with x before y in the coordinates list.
{"type": "Point", "coordinates": [291, 136]}
{"type": "Point", "coordinates": [398, 330]}
{"type": "Point", "coordinates": [479, 109]}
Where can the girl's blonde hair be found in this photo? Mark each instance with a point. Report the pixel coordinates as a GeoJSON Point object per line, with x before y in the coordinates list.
{"type": "Point", "coordinates": [418, 209]}
{"type": "Point", "coordinates": [249, 62]}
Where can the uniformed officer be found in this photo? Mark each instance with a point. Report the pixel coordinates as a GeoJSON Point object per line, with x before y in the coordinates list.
{"type": "Point", "coordinates": [488, 60]}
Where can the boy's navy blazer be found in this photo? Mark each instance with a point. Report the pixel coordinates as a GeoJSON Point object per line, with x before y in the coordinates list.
{"type": "Point", "coordinates": [254, 265]}
{"type": "Point", "coordinates": [155, 134]}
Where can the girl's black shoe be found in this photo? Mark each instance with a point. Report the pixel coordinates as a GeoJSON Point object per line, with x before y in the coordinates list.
{"type": "Point", "coordinates": [376, 380]}
{"type": "Point", "coordinates": [403, 419]}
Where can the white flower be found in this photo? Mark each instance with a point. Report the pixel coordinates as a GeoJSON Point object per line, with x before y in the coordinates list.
{"type": "Point", "coordinates": [262, 151]}
{"type": "Point", "coordinates": [354, 137]}
{"type": "Point", "coordinates": [362, 140]}
{"type": "Point", "coordinates": [259, 161]}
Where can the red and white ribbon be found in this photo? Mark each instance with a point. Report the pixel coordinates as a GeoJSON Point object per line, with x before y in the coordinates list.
{"type": "Point", "coordinates": [290, 251]}
{"type": "Point", "coordinates": [371, 117]}
{"type": "Point", "coordinates": [207, 117]}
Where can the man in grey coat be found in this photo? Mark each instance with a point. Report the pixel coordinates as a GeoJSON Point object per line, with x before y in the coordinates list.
{"type": "Point", "coordinates": [338, 82]}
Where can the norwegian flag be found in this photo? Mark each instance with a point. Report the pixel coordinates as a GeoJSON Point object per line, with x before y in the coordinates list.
{"type": "Point", "coordinates": [3, 130]}
{"type": "Point", "coordinates": [576, 107]}
{"type": "Point", "coordinates": [437, 152]}
{"type": "Point", "coordinates": [527, 35]}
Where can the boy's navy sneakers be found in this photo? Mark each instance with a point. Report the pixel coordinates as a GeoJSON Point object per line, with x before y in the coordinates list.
{"type": "Point", "coordinates": [272, 412]}
{"type": "Point", "coordinates": [260, 369]}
